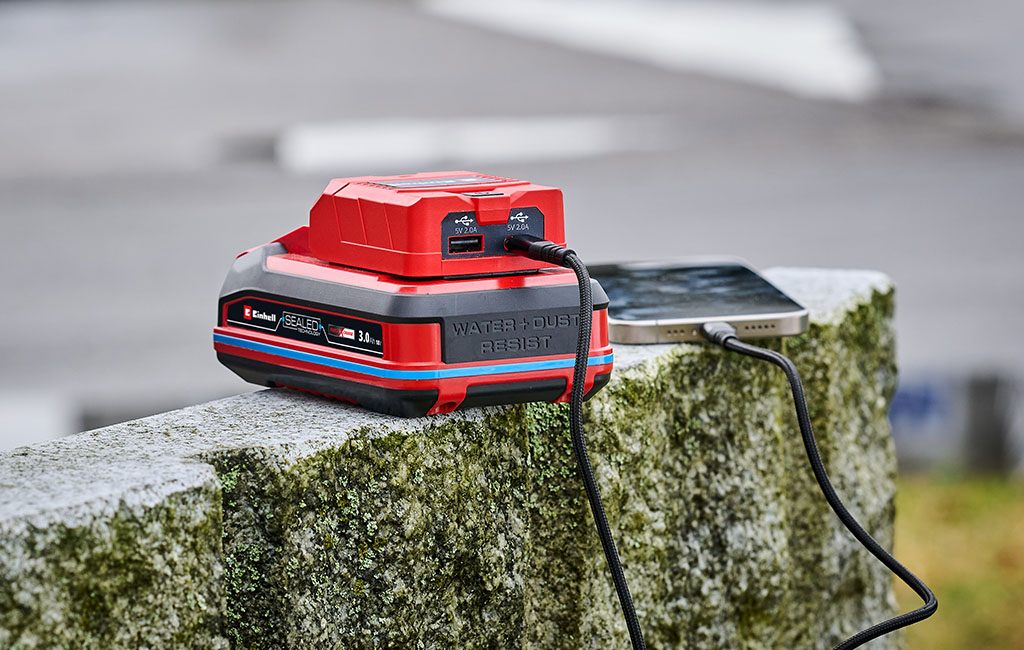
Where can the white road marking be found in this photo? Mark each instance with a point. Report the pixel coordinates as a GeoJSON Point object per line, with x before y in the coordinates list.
{"type": "Point", "coordinates": [337, 147]}
{"type": "Point", "coordinates": [806, 48]}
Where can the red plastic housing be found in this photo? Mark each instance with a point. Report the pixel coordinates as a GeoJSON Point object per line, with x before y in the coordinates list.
{"type": "Point", "coordinates": [402, 225]}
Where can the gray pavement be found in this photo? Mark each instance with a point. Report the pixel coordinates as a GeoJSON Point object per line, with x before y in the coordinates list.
{"type": "Point", "coordinates": [136, 161]}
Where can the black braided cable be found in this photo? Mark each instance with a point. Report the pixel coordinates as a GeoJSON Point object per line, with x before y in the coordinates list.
{"type": "Point", "coordinates": [579, 448]}
{"type": "Point", "coordinates": [719, 334]}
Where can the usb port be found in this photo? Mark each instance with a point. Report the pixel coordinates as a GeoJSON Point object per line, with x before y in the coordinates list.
{"type": "Point", "coordinates": [467, 244]}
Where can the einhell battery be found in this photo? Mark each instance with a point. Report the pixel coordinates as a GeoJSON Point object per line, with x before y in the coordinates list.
{"type": "Point", "coordinates": [400, 296]}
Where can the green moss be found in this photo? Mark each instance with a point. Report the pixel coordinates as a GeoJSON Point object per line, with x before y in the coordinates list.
{"type": "Point", "coordinates": [109, 580]}
{"type": "Point", "coordinates": [393, 523]}
{"type": "Point", "coordinates": [243, 583]}
{"type": "Point", "coordinates": [229, 479]}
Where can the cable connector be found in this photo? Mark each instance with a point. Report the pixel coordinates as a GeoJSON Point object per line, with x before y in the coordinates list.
{"type": "Point", "coordinates": [538, 249]}
{"type": "Point", "coordinates": [718, 332]}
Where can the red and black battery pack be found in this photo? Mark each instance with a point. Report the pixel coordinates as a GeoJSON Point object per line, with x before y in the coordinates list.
{"type": "Point", "coordinates": [400, 297]}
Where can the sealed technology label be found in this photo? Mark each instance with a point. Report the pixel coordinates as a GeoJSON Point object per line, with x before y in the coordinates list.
{"type": "Point", "coordinates": [532, 333]}
{"type": "Point", "coordinates": [309, 325]}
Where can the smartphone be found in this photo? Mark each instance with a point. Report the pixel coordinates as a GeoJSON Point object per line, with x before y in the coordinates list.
{"type": "Point", "coordinates": [667, 302]}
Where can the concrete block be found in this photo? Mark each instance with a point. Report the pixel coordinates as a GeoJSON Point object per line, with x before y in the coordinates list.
{"type": "Point", "coordinates": [280, 520]}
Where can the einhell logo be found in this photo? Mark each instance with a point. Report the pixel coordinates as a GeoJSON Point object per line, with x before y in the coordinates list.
{"type": "Point", "coordinates": [248, 313]}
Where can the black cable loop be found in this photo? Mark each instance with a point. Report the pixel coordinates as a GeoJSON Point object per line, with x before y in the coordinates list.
{"type": "Point", "coordinates": [730, 342]}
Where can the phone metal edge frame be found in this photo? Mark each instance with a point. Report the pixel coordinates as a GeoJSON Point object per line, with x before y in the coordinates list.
{"type": "Point", "coordinates": [679, 330]}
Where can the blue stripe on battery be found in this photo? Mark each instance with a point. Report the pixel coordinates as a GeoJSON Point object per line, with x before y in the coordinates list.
{"type": "Point", "coordinates": [389, 373]}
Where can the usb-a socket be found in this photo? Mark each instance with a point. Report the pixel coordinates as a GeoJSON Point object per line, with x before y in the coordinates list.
{"type": "Point", "coordinates": [465, 244]}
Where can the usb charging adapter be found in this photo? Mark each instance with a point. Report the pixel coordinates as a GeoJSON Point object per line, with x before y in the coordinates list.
{"type": "Point", "coordinates": [400, 296]}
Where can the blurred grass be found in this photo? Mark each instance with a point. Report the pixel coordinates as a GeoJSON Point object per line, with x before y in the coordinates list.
{"type": "Point", "coordinates": [964, 536]}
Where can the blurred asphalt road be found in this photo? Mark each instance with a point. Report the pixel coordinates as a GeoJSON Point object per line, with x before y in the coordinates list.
{"type": "Point", "coordinates": [136, 161]}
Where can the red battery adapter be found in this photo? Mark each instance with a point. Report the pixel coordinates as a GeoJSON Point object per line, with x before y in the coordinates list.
{"type": "Point", "coordinates": [402, 297]}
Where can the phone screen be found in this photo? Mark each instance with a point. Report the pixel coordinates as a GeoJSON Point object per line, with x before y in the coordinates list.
{"type": "Point", "coordinates": [667, 292]}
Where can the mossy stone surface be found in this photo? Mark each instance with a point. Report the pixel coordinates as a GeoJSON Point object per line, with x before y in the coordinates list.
{"type": "Point", "coordinates": [279, 520]}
